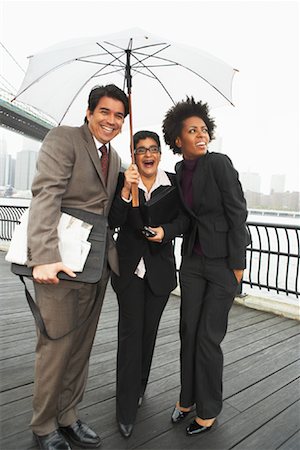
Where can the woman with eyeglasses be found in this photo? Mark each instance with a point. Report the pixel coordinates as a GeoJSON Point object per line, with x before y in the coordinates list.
{"type": "Point", "coordinates": [147, 273]}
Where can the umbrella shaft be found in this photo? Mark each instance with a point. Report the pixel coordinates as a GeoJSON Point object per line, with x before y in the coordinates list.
{"type": "Point", "coordinates": [128, 72]}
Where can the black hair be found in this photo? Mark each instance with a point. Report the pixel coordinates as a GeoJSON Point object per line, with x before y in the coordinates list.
{"type": "Point", "coordinates": [174, 118]}
{"type": "Point", "coordinates": [144, 134]}
{"type": "Point", "coordinates": [110, 90]}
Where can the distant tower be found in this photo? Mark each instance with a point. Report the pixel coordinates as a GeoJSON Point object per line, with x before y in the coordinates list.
{"type": "Point", "coordinates": [25, 169]}
{"type": "Point", "coordinates": [277, 184]}
{"type": "Point", "coordinates": [3, 161]}
{"type": "Point", "coordinates": [250, 181]}
{"type": "Point", "coordinates": [12, 171]}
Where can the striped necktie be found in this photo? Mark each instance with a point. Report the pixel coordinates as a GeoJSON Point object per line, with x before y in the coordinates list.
{"type": "Point", "coordinates": [104, 161]}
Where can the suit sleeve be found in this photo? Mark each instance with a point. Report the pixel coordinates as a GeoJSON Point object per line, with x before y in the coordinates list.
{"type": "Point", "coordinates": [120, 208]}
{"type": "Point", "coordinates": [180, 224]}
{"type": "Point", "coordinates": [54, 169]}
{"type": "Point", "coordinates": [235, 210]}
{"type": "Point", "coordinates": [177, 227]}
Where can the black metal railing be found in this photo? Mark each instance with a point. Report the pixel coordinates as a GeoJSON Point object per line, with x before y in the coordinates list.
{"type": "Point", "coordinates": [273, 257]}
{"type": "Point", "coordinates": [9, 217]}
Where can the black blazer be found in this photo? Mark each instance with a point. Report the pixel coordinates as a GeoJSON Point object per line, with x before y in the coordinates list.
{"type": "Point", "coordinates": [219, 211]}
{"type": "Point", "coordinates": [132, 245]}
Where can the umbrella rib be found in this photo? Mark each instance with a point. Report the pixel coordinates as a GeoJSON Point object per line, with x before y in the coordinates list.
{"type": "Point", "coordinates": [153, 55]}
{"type": "Point", "coordinates": [60, 65]}
{"type": "Point", "coordinates": [121, 65]}
{"type": "Point", "coordinates": [96, 74]}
{"type": "Point", "coordinates": [138, 48]}
{"type": "Point", "coordinates": [190, 70]}
{"type": "Point", "coordinates": [157, 79]}
{"type": "Point", "coordinates": [111, 54]}
{"type": "Point", "coordinates": [118, 59]}
{"type": "Point", "coordinates": [41, 77]}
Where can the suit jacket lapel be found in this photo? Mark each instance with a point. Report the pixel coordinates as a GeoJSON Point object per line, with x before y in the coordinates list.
{"type": "Point", "coordinates": [113, 170]}
{"type": "Point", "coordinates": [92, 151]}
{"type": "Point", "coordinates": [113, 166]}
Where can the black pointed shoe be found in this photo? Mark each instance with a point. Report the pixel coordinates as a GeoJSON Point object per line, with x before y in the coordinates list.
{"type": "Point", "coordinates": [81, 434]}
{"type": "Point", "coordinates": [177, 415]}
{"type": "Point", "coordinates": [140, 401]}
{"type": "Point", "coordinates": [52, 441]}
{"type": "Point", "coordinates": [195, 428]}
{"type": "Point", "coordinates": [125, 430]}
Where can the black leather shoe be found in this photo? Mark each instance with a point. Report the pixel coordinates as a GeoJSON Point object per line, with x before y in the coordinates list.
{"type": "Point", "coordinates": [140, 401]}
{"type": "Point", "coordinates": [125, 430]}
{"type": "Point", "coordinates": [195, 428]}
{"type": "Point", "coordinates": [178, 416]}
{"type": "Point", "coordinates": [81, 434]}
{"type": "Point", "coordinates": [52, 441]}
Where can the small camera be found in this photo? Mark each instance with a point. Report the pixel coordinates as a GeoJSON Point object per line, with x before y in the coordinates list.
{"type": "Point", "coordinates": [148, 232]}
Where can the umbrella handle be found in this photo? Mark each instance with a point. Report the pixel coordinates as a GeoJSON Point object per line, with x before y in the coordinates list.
{"type": "Point", "coordinates": [135, 195]}
{"type": "Point", "coordinates": [134, 187]}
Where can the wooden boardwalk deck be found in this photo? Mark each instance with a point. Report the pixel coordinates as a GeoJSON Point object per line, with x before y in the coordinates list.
{"type": "Point", "coordinates": [261, 381]}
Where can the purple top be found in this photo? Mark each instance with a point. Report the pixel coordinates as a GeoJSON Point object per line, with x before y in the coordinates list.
{"type": "Point", "coordinates": [189, 166]}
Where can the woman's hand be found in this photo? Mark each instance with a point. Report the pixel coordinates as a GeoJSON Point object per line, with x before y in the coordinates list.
{"type": "Point", "coordinates": [238, 274]}
{"type": "Point", "coordinates": [159, 234]}
{"type": "Point", "coordinates": [132, 176]}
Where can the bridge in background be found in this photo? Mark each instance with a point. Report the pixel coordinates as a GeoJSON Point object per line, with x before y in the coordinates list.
{"type": "Point", "coordinates": [22, 118]}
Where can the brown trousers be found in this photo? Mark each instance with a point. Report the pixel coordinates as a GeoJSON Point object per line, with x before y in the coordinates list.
{"type": "Point", "coordinates": [61, 366]}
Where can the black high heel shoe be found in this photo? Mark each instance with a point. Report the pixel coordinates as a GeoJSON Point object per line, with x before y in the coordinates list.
{"type": "Point", "coordinates": [177, 415]}
{"type": "Point", "coordinates": [140, 400]}
{"type": "Point", "coordinates": [195, 428]}
{"type": "Point", "coordinates": [125, 430]}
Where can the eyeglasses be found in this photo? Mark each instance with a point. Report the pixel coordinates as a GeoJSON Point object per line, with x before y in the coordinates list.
{"type": "Point", "coordinates": [143, 150]}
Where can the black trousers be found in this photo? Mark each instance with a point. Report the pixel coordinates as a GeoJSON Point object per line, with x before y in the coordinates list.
{"type": "Point", "coordinates": [208, 288]}
{"type": "Point", "coordinates": [139, 315]}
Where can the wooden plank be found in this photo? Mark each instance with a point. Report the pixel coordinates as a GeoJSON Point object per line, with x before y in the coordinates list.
{"type": "Point", "coordinates": [275, 432]}
{"type": "Point", "coordinates": [263, 388]}
{"type": "Point", "coordinates": [260, 375]}
{"type": "Point", "coordinates": [281, 337]}
{"type": "Point", "coordinates": [251, 370]}
{"type": "Point", "coordinates": [292, 443]}
{"type": "Point", "coordinates": [227, 435]}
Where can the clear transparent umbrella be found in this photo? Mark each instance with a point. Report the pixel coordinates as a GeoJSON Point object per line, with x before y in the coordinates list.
{"type": "Point", "coordinates": [153, 71]}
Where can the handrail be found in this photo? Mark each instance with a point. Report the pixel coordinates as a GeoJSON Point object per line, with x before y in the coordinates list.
{"type": "Point", "coordinates": [273, 256]}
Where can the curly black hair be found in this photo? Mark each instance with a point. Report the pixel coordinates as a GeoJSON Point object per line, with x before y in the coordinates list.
{"type": "Point", "coordinates": [174, 118]}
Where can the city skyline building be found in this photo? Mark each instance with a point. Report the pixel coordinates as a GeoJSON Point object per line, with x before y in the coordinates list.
{"type": "Point", "coordinates": [3, 157]}
{"type": "Point", "coordinates": [251, 181]}
{"type": "Point", "coordinates": [25, 169]}
{"type": "Point", "coordinates": [277, 183]}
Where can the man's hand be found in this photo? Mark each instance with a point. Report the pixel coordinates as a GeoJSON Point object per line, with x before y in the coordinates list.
{"type": "Point", "coordinates": [238, 274]}
{"type": "Point", "coordinates": [132, 176]}
{"type": "Point", "coordinates": [159, 234]}
{"type": "Point", "coordinates": [47, 273]}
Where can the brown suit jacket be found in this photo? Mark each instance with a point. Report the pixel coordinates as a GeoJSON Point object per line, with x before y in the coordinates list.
{"type": "Point", "coordinates": [68, 175]}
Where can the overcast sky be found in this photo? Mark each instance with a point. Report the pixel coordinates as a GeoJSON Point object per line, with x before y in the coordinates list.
{"type": "Point", "coordinates": [259, 38]}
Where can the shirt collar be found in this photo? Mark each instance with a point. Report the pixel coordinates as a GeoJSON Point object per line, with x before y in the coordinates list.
{"type": "Point", "coordinates": [162, 179]}
{"type": "Point", "coordinates": [99, 144]}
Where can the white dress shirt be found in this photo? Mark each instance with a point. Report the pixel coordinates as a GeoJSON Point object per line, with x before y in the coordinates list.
{"type": "Point", "coordinates": [162, 179]}
{"type": "Point", "coordinates": [98, 145]}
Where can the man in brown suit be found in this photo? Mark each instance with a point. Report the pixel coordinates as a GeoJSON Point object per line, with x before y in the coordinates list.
{"type": "Point", "coordinates": [70, 174]}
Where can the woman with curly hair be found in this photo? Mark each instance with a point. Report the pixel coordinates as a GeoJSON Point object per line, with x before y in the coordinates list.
{"type": "Point", "coordinates": [213, 258]}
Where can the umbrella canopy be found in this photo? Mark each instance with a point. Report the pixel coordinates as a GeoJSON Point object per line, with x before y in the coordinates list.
{"type": "Point", "coordinates": [158, 72]}
{"type": "Point", "coordinates": [59, 78]}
